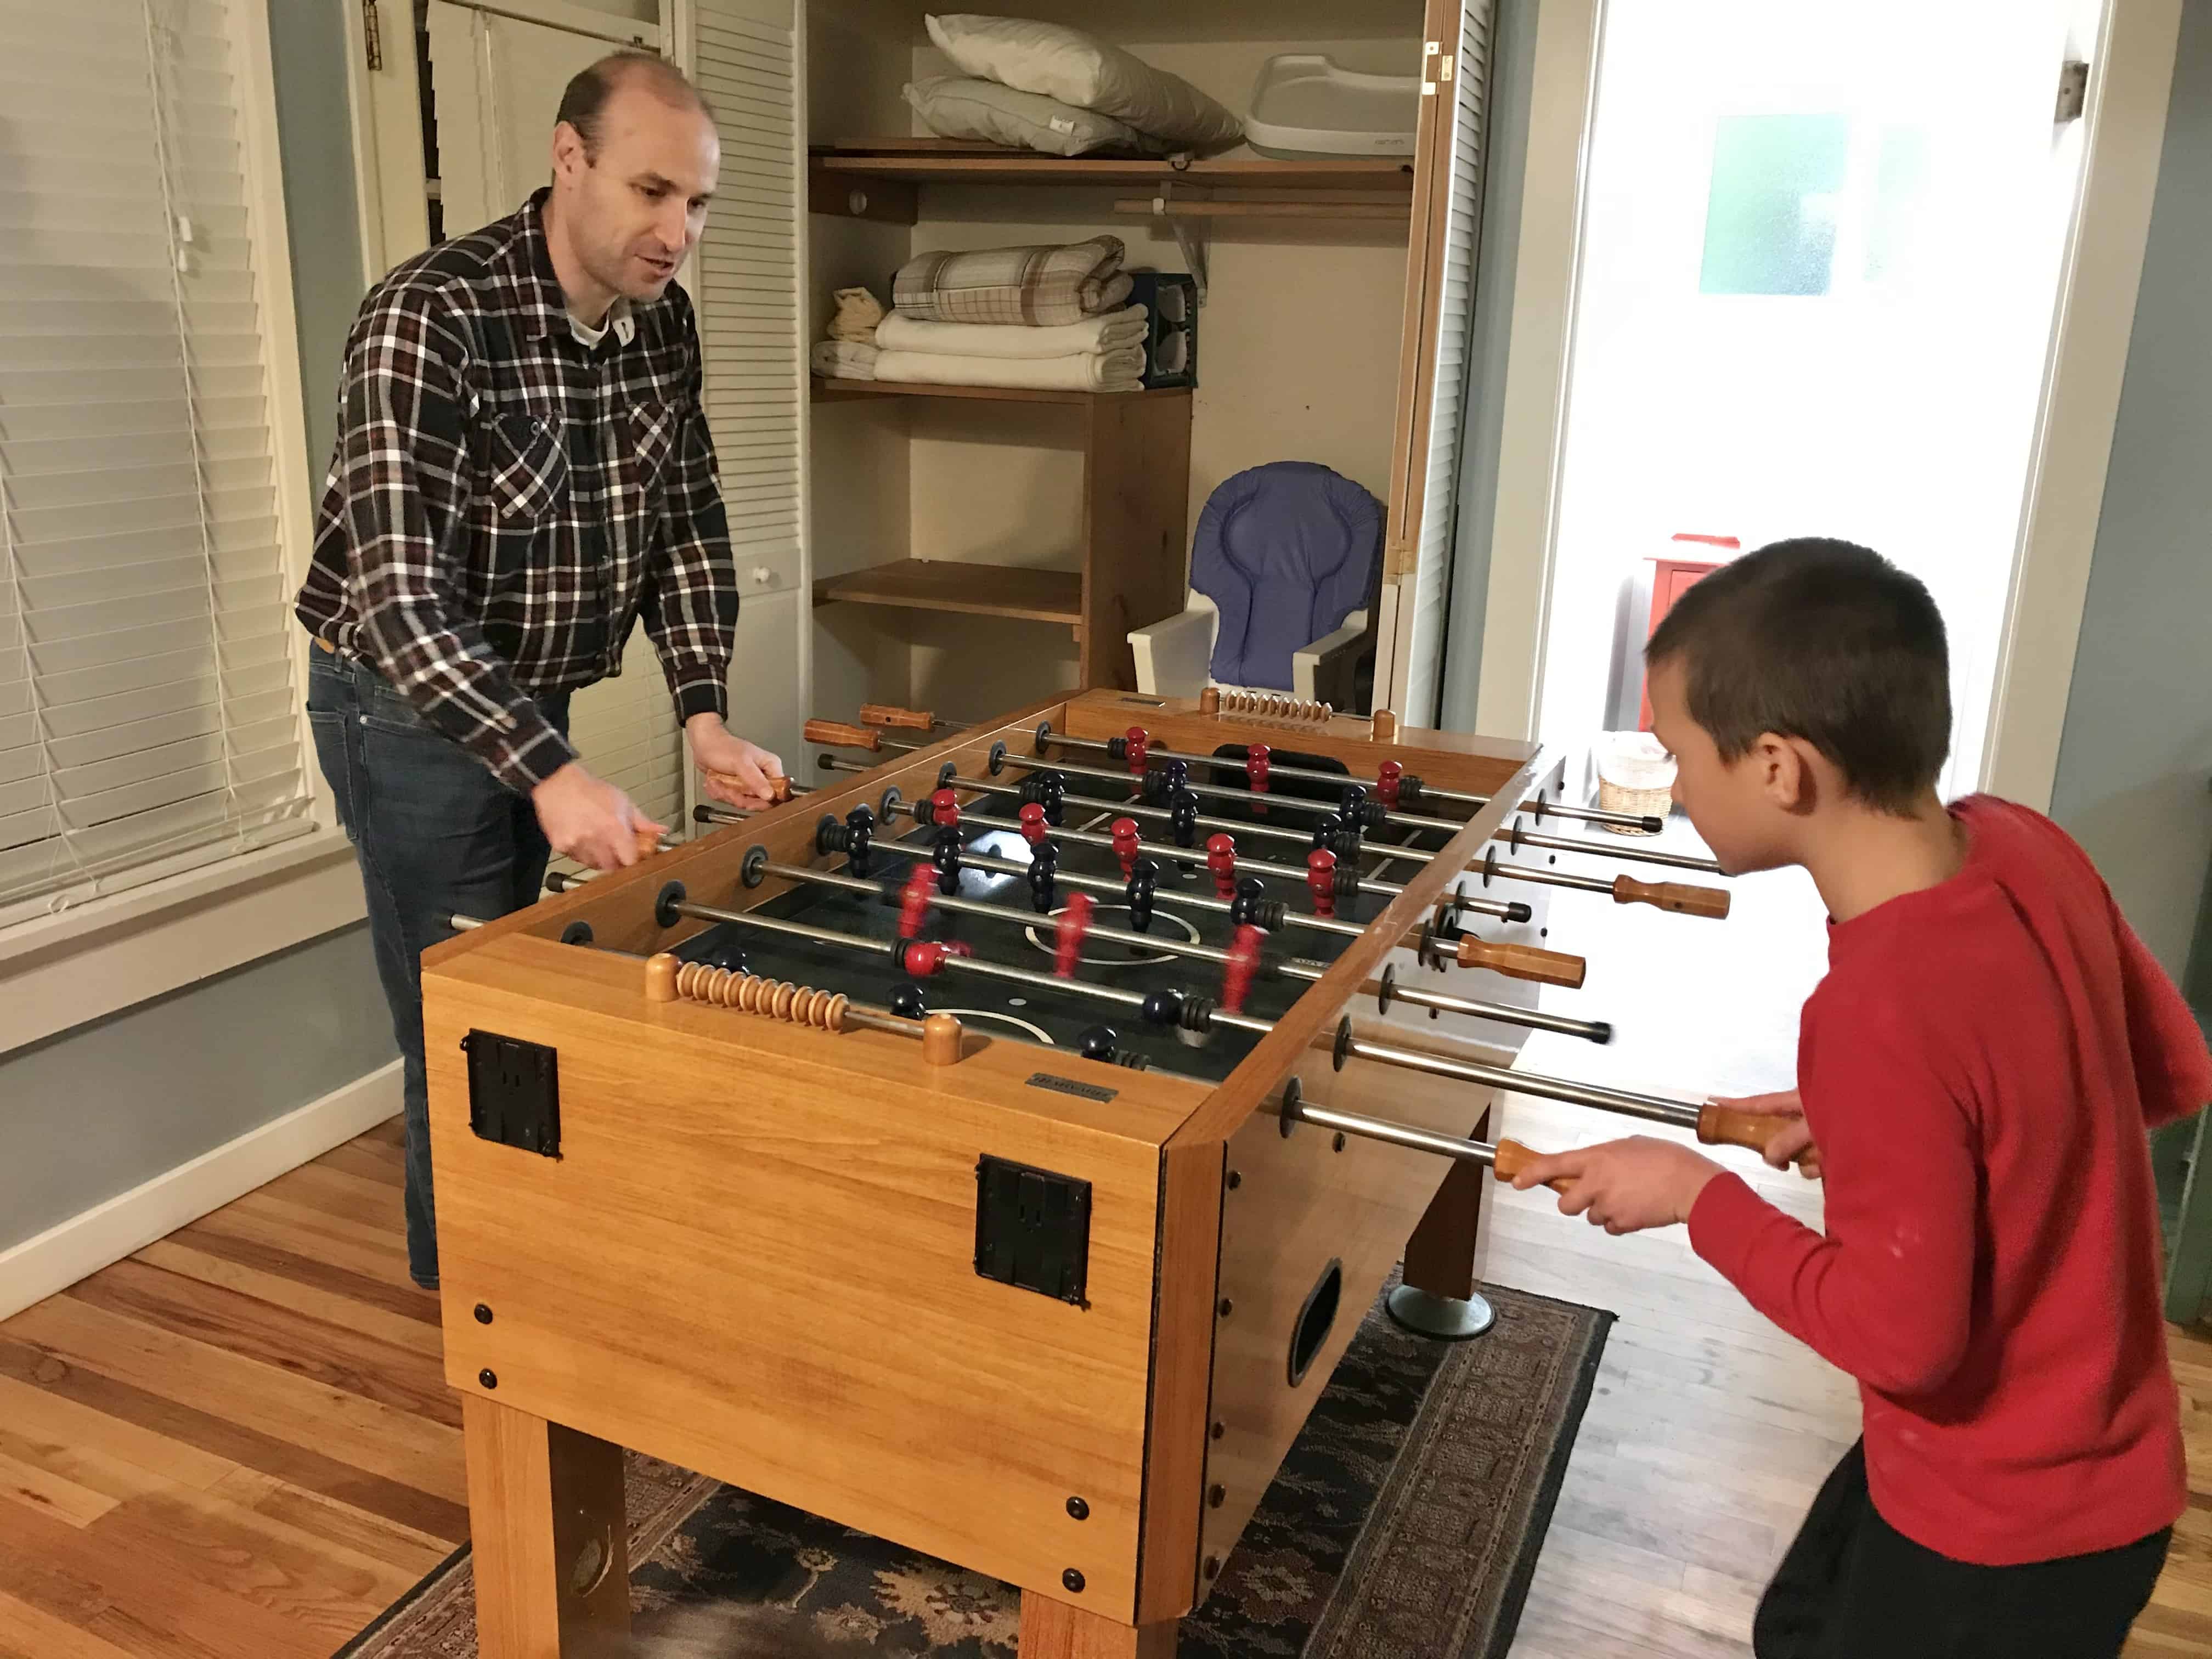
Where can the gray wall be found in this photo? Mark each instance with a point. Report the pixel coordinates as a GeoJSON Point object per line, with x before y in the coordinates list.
{"type": "Point", "coordinates": [1513, 55]}
{"type": "Point", "coordinates": [2136, 762]}
{"type": "Point", "coordinates": [96, 1111]}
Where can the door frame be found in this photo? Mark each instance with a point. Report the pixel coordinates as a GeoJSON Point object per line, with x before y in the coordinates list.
{"type": "Point", "coordinates": [2124, 138]}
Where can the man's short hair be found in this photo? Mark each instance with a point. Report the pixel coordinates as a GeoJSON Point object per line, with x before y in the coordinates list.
{"type": "Point", "coordinates": [584, 100]}
{"type": "Point", "coordinates": [1823, 641]}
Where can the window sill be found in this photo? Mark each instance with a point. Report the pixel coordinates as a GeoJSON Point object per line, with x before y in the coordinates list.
{"type": "Point", "coordinates": [83, 964]}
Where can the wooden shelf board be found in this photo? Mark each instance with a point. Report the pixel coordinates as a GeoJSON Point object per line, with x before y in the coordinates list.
{"type": "Point", "coordinates": [945, 161]}
{"type": "Point", "coordinates": [973, 590]}
{"type": "Point", "coordinates": [831, 390]}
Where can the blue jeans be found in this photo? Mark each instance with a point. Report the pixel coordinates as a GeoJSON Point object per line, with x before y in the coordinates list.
{"type": "Point", "coordinates": [436, 834]}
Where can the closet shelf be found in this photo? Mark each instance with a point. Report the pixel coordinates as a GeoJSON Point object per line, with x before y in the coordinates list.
{"type": "Point", "coordinates": [877, 178]}
{"type": "Point", "coordinates": [832, 390]}
{"type": "Point", "coordinates": [973, 590]}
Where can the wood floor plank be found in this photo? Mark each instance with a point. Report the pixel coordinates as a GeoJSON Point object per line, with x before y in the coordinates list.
{"type": "Point", "coordinates": [343, 1525]}
{"type": "Point", "coordinates": [29, 1632]}
{"type": "Point", "coordinates": [373, 1204]}
{"type": "Point", "coordinates": [39, 1414]}
{"type": "Point", "coordinates": [381, 1266]}
{"type": "Point", "coordinates": [370, 1159]}
{"type": "Point", "coordinates": [45, 1492]}
{"type": "Point", "coordinates": [418, 1336]}
{"type": "Point", "coordinates": [314, 1349]}
{"type": "Point", "coordinates": [391, 1293]}
{"type": "Point", "coordinates": [380, 1439]}
{"type": "Point", "coordinates": [215, 1433]}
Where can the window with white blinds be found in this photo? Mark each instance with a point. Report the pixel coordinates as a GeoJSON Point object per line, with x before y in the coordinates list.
{"type": "Point", "coordinates": [1461, 146]}
{"type": "Point", "coordinates": [148, 717]}
{"type": "Point", "coordinates": [742, 57]}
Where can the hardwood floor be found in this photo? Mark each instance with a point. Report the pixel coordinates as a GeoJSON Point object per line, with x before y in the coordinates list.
{"type": "Point", "coordinates": [236, 1444]}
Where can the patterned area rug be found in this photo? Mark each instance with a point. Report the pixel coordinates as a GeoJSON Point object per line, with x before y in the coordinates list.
{"type": "Point", "coordinates": [1404, 1525]}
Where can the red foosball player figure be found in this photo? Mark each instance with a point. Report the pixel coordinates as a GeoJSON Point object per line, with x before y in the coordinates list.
{"type": "Point", "coordinates": [1075, 923]}
{"type": "Point", "coordinates": [1033, 827]}
{"type": "Point", "coordinates": [1386, 784]}
{"type": "Point", "coordinates": [1257, 759]}
{"type": "Point", "coordinates": [1243, 963]}
{"type": "Point", "coordinates": [913, 903]}
{"type": "Point", "coordinates": [1126, 844]}
{"type": "Point", "coordinates": [1221, 860]}
{"type": "Point", "coordinates": [944, 809]}
{"type": "Point", "coordinates": [1321, 880]}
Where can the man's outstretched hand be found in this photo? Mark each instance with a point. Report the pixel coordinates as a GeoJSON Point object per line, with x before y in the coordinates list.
{"type": "Point", "coordinates": [738, 772]}
{"type": "Point", "coordinates": [589, 820]}
{"type": "Point", "coordinates": [1624, 1186]}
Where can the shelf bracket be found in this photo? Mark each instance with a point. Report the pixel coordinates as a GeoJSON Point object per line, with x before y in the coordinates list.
{"type": "Point", "coordinates": [1191, 242]}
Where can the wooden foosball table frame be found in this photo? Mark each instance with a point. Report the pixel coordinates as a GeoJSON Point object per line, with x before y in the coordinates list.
{"type": "Point", "coordinates": [756, 1253]}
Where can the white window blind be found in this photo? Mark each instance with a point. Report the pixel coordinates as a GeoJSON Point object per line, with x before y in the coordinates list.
{"type": "Point", "coordinates": [1462, 145]}
{"type": "Point", "coordinates": [149, 714]}
{"type": "Point", "coordinates": [742, 57]}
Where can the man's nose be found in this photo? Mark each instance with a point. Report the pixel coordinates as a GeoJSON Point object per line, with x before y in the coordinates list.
{"type": "Point", "coordinates": [671, 225]}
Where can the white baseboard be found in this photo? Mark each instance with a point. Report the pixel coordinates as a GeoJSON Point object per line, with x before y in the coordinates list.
{"type": "Point", "coordinates": [57, 1258]}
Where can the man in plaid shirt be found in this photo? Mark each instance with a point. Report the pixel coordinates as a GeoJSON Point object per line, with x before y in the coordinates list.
{"type": "Point", "coordinates": [523, 471]}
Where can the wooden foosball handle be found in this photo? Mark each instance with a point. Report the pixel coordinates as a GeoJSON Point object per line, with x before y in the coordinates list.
{"type": "Point", "coordinates": [1513, 1158]}
{"type": "Point", "coordinates": [1523, 962]}
{"type": "Point", "coordinates": [884, 713]}
{"type": "Point", "coordinates": [779, 789]}
{"type": "Point", "coordinates": [835, 734]}
{"type": "Point", "coordinates": [1677, 896]}
{"type": "Point", "coordinates": [648, 841]}
{"type": "Point", "coordinates": [1719, 1126]}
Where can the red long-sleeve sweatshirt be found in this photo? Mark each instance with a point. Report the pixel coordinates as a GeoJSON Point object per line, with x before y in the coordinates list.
{"type": "Point", "coordinates": [1980, 1068]}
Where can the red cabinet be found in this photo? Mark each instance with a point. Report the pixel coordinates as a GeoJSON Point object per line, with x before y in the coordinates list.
{"type": "Point", "coordinates": [1673, 577]}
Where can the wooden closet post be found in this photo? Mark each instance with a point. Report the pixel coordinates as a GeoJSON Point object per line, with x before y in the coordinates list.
{"type": "Point", "coordinates": [1136, 519]}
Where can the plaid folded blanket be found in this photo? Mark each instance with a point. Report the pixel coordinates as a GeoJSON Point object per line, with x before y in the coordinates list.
{"type": "Point", "coordinates": [1042, 286]}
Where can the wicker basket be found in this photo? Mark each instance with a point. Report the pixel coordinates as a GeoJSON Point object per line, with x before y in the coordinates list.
{"type": "Point", "coordinates": [1648, 803]}
{"type": "Point", "coordinates": [1633, 775]}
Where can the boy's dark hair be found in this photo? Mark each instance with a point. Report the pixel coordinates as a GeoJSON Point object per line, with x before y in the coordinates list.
{"type": "Point", "coordinates": [585, 99]}
{"type": "Point", "coordinates": [1824, 640]}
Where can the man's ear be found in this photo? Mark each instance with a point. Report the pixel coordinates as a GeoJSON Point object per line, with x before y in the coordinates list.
{"type": "Point", "coordinates": [568, 154]}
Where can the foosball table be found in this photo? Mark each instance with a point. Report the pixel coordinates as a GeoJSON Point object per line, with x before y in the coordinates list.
{"type": "Point", "coordinates": [995, 1147]}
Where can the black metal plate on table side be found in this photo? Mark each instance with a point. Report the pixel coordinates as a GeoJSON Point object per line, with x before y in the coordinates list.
{"type": "Point", "coordinates": [1063, 1016]}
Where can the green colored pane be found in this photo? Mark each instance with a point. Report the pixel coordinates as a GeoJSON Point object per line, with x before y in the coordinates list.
{"type": "Point", "coordinates": [1770, 219]}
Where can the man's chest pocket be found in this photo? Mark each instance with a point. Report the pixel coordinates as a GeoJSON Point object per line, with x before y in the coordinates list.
{"type": "Point", "coordinates": [526, 471]}
{"type": "Point", "coordinates": [652, 428]}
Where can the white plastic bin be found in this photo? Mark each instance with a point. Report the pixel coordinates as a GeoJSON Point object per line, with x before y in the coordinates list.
{"type": "Point", "coordinates": [1306, 104]}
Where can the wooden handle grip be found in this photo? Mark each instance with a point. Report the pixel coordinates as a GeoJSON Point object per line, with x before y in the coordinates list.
{"type": "Point", "coordinates": [648, 841]}
{"type": "Point", "coordinates": [884, 713]}
{"type": "Point", "coordinates": [835, 734]}
{"type": "Point", "coordinates": [778, 789]}
{"type": "Point", "coordinates": [1513, 1158]}
{"type": "Point", "coordinates": [1718, 1125]}
{"type": "Point", "coordinates": [1677, 896]}
{"type": "Point", "coordinates": [1523, 962]}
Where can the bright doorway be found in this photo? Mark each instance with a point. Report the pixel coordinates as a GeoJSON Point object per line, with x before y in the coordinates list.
{"type": "Point", "coordinates": [1820, 250]}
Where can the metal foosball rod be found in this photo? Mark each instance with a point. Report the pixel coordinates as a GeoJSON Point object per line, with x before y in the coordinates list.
{"type": "Point", "coordinates": [1504, 909]}
{"type": "Point", "coordinates": [1117, 748]}
{"type": "Point", "coordinates": [1387, 989]}
{"type": "Point", "coordinates": [836, 735]}
{"type": "Point", "coordinates": [1170, 1006]}
{"type": "Point", "coordinates": [1385, 852]}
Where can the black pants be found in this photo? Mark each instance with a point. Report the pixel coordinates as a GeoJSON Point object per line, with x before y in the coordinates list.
{"type": "Point", "coordinates": [1853, 1587]}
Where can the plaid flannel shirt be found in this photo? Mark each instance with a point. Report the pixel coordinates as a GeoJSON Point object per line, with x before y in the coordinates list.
{"type": "Point", "coordinates": [505, 502]}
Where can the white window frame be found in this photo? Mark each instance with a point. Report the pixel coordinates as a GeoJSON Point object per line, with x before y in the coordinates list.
{"type": "Point", "coordinates": [89, 960]}
{"type": "Point", "coordinates": [2126, 122]}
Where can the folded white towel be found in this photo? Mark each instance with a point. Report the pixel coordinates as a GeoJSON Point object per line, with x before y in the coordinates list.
{"type": "Point", "coordinates": [843, 359]}
{"type": "Point", "coordinates": [902, 333]}
{"type": "Point", "coordinates": [1119, 370]}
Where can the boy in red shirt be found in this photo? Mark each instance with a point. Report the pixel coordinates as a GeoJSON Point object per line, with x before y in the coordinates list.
{"type": "Point", "coordinates": [1977, 1071]}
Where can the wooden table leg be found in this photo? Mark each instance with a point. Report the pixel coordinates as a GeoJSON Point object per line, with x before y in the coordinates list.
{"type": "Point", "coordinates": [550, 1545]}
{"type": "Point", "coordinates": [1437, 1298]}
{"type": "Point", "coordinates": [1054, 1630]}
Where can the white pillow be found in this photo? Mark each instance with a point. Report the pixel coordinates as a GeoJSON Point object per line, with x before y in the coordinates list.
{"type": "Point", "coordinates": [1071, 66]}
{"type": "Point", "coordinates": [958, 106]}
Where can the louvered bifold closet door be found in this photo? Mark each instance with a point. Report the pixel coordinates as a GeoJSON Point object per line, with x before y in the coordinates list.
{"type": "Point", "coordinates": [743, 57]}
{"type": "Point", "coordinates": [1459, 72]}
{"type": "Point", "coordinates": [149, 716]}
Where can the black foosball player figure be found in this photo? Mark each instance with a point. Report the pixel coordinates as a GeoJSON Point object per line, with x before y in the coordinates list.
{"type": "Point", "coordinates": [522, 472]}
